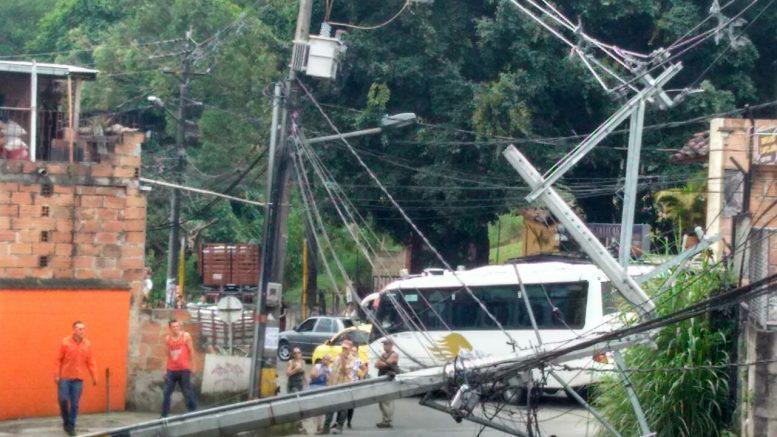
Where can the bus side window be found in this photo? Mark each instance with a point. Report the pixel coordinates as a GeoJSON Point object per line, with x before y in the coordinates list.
{"type": "Point", "coordinates": [612, 301]}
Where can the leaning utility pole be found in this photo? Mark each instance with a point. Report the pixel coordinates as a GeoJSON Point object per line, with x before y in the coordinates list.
{"type": "Point", "coordinates": [180, 166]}
{"type": "Point", "coordinates": [278, 190]}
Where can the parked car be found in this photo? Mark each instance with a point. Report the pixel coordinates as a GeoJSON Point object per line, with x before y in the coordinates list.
{"type": "Point", "coordinates": [359, 335]}
{"type": "Point", "coordinates": [310, 333]}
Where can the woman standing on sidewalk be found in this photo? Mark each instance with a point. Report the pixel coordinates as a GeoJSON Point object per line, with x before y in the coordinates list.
{"type": "Point", "coordinates": [295, 371]}
{"type": "Point", "coordinates": [359, 373]}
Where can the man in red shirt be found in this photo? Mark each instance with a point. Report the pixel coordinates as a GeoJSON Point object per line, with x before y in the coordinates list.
{"type": "Point", "coordinates": [74, 360]}
{"type": "Point", "coordinates": [180, 349]}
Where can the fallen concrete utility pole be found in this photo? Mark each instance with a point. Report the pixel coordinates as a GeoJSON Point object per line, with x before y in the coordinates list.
{"type": "Point", "coordinates": [265, 412]}
{"type": "Point", "coordinates": [580, 233]}
{"type": "Point", "coordinates": [251, 415]}
{"type": "Point", "coordinates": [262, 413]}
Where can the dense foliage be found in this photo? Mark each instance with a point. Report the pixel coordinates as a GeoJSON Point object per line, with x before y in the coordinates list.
{"type": "Point", "coordinates": [683, 382]}
{"type": "Point", "coordinates": [472, 71]}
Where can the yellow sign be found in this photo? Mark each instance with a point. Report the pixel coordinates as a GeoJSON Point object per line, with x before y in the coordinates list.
{"type": "Point", "coordinates": [766, 149]}
{"type": "Point", "coordinates": [449, 347]}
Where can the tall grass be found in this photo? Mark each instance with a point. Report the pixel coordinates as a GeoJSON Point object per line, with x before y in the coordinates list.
{"type": "Point", "coordinates": [678, 397]}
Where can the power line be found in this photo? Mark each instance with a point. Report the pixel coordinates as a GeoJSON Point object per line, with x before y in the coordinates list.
{"type": "Point", "coordinates": [722, 300]}
{"type": "Point", "coordinates": [689, 368]}
{"type": "Point", "coordinates": [200, 191]}
{"type": "Point", "coordinates": [676, 56]}
{"type": "Point", "coordinates": [402, 212]}
{"type": "Point", "coordinates": [33, 55]}
{"type": "Point", "coordinates": [730, 46]}
{"type": "Point", "coordinates": [556, 140]}
{"type": "Point", "coordinates": [372, 27]}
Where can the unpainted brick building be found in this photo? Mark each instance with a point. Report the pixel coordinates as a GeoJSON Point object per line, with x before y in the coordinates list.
{"type": "Point", "coordinates": [741, 200]}
{"type": "Point", "coordinates": [72, 245]}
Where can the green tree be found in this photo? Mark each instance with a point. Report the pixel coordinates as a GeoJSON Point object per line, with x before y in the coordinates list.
{"type": "Point", "coordinates": [470, 70]}
{"type": "Point", "coordinates": [485, 67]}
{"type": "Point", "coordinates": [18, 19]}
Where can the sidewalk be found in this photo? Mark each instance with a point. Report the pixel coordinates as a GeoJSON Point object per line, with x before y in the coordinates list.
{"type": "Point", "coordinates": [52, 426]}
{"type": "Point", "coordinates": [87, 423]}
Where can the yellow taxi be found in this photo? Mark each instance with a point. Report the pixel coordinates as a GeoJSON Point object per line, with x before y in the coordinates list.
{"type": "Point", "coordinates": [359, 335]}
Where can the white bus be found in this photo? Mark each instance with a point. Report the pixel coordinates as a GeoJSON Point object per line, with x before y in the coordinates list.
{"type": "Point", "coordinates": [568, 298]}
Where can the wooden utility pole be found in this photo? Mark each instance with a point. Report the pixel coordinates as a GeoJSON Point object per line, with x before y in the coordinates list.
{"type": "Point", "coordinates": [180, 166]}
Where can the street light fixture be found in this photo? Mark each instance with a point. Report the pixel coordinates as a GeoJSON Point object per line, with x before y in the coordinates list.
{"type": "Point", "coordinates": [156, 101]}
{"type": "Point", "coordinates": [159, 103]}
{"type": "Point", "coordinates": [398, 120]}
{"type": "Point", "coordinates": [387, 122]}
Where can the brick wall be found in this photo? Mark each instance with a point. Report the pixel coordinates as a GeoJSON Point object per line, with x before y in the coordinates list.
{"type": "Point", "coordinates": [146, 368]}
{"type": "Point", "coordinates": [730, 149]}
{"type": "Point", "coordinates": [87, 219]}
{"type": "Point", "coordinates": [759, 405]}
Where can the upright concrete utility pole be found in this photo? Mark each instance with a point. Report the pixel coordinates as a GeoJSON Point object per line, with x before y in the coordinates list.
{"type": "Point", "coordinates": [180, 166]}
{"type": "Point", "coordinates": [279, 184]}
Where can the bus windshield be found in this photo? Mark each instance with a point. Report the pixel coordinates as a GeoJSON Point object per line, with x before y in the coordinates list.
{"type": "Point", "coordinates": [555, 306]}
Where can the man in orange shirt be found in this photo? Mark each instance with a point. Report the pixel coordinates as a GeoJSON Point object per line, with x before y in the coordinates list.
{"type": "Point", "coordinates": [73, 361]}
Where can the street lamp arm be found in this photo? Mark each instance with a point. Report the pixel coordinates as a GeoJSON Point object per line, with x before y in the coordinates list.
{"type": "Point", "coordinates": [387, 122]}
{"type": "Point", "coordinates": [159, 103]}
{"type": "Point", "coordinates": [358, 133]}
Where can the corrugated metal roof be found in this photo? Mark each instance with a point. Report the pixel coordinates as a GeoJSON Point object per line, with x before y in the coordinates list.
{"type": "Point", "coordinates": [45, 69]}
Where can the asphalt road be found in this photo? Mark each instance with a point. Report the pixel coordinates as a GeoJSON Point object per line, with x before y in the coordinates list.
{"type": "Point", "coordinates": [557, 415]}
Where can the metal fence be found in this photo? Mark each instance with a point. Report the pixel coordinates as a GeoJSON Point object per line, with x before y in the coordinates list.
{"type": "Point", "coordinates": [762, 309]}
{"type": "Point", "coordinates": [51, 143]}
{"type": "Point", "coordinates": [215, 333]}
{"type": "Point", "coordinates": [380, 281]}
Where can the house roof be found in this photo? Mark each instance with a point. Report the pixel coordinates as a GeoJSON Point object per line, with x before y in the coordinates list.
{"type": "Point", "coordinates": [45, 69]}
{"type": "Point", "coordinates": [695, 149]}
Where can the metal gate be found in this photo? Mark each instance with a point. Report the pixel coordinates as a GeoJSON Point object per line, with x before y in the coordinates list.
{"type": "Point", "coordinates": [763, 309]}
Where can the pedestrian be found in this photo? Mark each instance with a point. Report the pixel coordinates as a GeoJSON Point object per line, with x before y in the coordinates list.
{"type": "Point", "coordinates": [180, 302]}
{"type": "Point", "coordinates": [148, 287]}
{"type": "Point", "coordinates": [319, 375]}
{"type": "Point", "coordinates": [295, 371]}
{"type": "Point", "coordinates": [342, 373]}
{"type": "Point", "coordinates": [350, 311]}
{"type": "Point", "coordinates": [359, 372]}
{"type": "Point", "coordinates": [74, 360]}
{"type": "Point", "coordinates": [387, 364]}
{"type": "Point", "coordinates": [180, 349]}
{"type": "Point", "coordinates": [282, 317]}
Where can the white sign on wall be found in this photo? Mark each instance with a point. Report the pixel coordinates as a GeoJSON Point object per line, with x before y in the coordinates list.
{"type": "Point", "coordinates": [225, 374]}
{"type": "Point", "coordinates": [271, 338]}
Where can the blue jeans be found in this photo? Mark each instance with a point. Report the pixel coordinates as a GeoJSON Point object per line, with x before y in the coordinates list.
{"type": "Point", "coordinates": [69, 393]}
{"type": "Point", "coordinates": [183, 378]}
